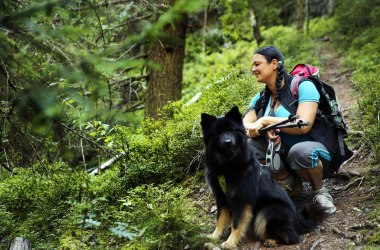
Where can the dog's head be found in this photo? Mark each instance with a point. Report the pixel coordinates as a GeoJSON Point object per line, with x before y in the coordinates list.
{"type": "Point", "coordinates": [224, 135]}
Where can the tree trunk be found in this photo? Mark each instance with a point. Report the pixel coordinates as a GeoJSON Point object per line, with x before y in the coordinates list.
{"type": "Point", "coordinates": [165, 83]}
{"type": "Point", "coordinates": [256, 27]}
{"type": "Point", "coordinates": [19, 243]}
{"type": "Point", "coordinates": [330, 7]}
{"type": "Point", "coordinates": [307, 15]}
{"type": "Point", "coordinates": [204, 33]}
{"type": "Point", "coordinates": [300, 15]}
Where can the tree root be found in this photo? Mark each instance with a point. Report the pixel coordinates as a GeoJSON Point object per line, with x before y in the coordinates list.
{"type": "Point", "coordinates": [356, 238]}
{"type": "Point", "coordinates": [356, 153]}
{"type": "Point", "coordinates": [350, 185]}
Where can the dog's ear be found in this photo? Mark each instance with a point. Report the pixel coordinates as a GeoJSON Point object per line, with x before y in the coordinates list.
{"type": "Point", "coordinates": [234, 114]}
{"type": "Point", "coordinates": [207, 120]}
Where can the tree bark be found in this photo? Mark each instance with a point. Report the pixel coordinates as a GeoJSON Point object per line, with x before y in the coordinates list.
{"type": "Point", "coordinates": [204, 31]}
{"type": "Point", "coordinates": [19, 243]}
{"type": "Point", "coordinates": [330, 7]}
{"type": "Point", "coordinates": [165, 83]}
{"type": "Point", "coordinates": [300, 15]}
{"type": "Point", "coordinates": [256, 27]}
{"type": "Point", "coordinates": [307, 15]}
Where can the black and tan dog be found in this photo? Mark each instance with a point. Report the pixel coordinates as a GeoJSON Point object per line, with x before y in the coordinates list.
{"type": "Point", "coordinates": [245, 193]}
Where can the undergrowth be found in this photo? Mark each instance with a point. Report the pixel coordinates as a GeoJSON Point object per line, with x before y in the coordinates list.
{"type": "Point", "coordinates": [145, 201]}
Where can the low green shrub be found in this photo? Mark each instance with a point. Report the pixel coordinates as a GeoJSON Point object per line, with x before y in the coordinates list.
{"type": "Point", "coordinates": [165, 149]}
{"type": "Point", "coordinates": [321, 27]}
{"type": "Point", "coordinates": [78, 211]}
{"type": "Point", "coordinates": [36, 201]}
{"type": "Point", "coordinates": [146, 217]}
{"type": "Point", "coordinates": [364, 62]}
{"type": "Point", "coordinates": [353, 19]}
{"type": "Point", "coordinates": [356, 37]}
{"type": "Point", "coordinates": [206, 66]}
{"type": "Point", "coordinates": [166, 215]}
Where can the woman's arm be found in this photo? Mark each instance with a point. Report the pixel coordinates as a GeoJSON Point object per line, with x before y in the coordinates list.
{"type": "Point", "coordinates": [249, 118]}
{"type": "Point", "coordinates": [307, 112]}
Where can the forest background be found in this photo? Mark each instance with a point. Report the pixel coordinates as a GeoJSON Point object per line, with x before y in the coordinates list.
{"type": "Point", "coordinates": [101, 145]}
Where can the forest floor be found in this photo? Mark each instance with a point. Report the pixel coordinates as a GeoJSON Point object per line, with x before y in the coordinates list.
{"type": "Point", "coordinates": [353, 196]}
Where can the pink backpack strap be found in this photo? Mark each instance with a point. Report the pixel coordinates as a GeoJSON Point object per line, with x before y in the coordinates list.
{"type": "Point", "coordinates": [294, 86]}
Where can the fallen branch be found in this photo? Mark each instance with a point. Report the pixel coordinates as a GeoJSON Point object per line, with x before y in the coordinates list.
{"type": "Point", "coordinates": [107, 164]}
{"type": "Point", "coordinates": [341, 233]}
{"type": "Point", "coordinates": [316, 244]}
{"type": "Point", "coordinates": [6, 167]}
{"type": "Point", "coordinates": [366, 225]}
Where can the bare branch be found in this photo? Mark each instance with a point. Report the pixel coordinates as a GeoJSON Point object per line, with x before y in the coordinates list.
{"type": "Point", "coordinates": [101, 28]}
{"type": "Point", "coordinates": [129, 22]}
{"type": "Point", "coordinates": [5, 71]}
{"type": "Point", "coordinates": [31, 144]}
{"type": "Point", "coordinates": [128, 80]}
{"type": "Point", "coordinates": [88, 139]}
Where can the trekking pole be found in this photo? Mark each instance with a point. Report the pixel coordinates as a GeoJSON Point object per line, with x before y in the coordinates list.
{"type": "Point", "coordinates": [283, 124]}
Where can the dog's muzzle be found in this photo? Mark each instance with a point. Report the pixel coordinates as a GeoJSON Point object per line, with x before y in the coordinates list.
{"type": "Point", "coordinates": [228, 144]}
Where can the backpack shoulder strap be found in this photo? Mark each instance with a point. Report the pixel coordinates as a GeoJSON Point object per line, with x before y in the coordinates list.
{"type": "Point", "coordinates": [294, 85]}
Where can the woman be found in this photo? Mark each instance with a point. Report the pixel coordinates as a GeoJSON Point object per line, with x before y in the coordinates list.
{"type": "Point", "coordinates": [305, 157]}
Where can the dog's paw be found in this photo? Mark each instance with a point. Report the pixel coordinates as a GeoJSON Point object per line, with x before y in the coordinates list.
{"type": "Point", "coordinates": [213, 236]}
{"type": "Point", "coordinates": [270, 243]}
{"type": "Point", "coordinates": [229, 244]}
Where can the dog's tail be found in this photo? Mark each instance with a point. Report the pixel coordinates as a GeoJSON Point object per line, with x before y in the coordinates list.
{"type": "Point", "coordinates": [310, 216]}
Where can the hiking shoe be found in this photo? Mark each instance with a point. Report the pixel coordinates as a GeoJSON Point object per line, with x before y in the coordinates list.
{"type": "Point", "coordinates": [292, 185]}
{"type": "Point", "coordinates": [324, 199]}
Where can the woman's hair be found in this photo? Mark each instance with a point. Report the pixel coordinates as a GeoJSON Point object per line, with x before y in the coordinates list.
{"type": "Point", "coordinates": [270, 53]}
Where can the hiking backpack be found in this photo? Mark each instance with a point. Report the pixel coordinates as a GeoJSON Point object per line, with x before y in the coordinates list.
{"type": "Point", "coordinates": [328, 103]}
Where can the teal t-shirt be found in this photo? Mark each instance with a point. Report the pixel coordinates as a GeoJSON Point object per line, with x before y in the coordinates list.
{"type": "Point", "coordinates": [307, 92]}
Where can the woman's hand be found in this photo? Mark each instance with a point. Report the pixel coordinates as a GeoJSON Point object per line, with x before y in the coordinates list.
{"type": "Point", "coordinates": [252, 129]}
{"type": "Point", "coordinates": [272, 136]}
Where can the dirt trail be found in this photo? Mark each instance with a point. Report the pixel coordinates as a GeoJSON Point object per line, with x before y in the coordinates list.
{"type": "Point", "coordinates": [352, 199]}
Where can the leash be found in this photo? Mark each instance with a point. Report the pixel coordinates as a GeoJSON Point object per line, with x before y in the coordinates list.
{"type": "Point", "coordinates": [273, 155]}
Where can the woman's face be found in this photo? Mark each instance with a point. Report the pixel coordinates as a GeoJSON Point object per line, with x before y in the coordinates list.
{"type": "Point", "coordinates": [264, 71]}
